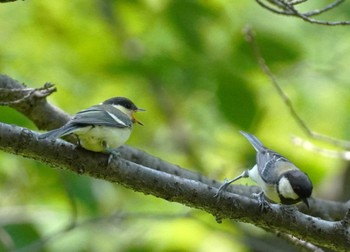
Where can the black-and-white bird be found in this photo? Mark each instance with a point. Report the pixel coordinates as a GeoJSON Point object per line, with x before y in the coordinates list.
{"type": "Point", "coordinates": [280, 180]}
{"type": "Point", "coordinates": [101, 128]}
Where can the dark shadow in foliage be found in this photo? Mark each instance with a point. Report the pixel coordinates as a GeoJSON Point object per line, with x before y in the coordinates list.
{"type": "Point", "coordinates": [22, 235]}
{"type": "Point", "coordinates": [188, 17]}
{"type": "Point", "coordinates": [237, 102]}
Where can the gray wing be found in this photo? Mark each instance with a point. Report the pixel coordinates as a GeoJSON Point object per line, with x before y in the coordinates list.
{"type": "Point", "coordinates": [267, 159]}
{"type": "Point", "coordinates": [100, 115]}
{"type": "Point", "coordinates": [271, 165]}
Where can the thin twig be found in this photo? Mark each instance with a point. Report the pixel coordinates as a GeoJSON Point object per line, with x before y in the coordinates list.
{"type": "Point", "coordinates": [287, 8]}
{"type": "Point", "coordinates": [250, 37]}
{"type": "Point", "coordinates": [27, 93]}
{"type": "Point", "coordinates": [265, 6]}
{"type": "Point", "coordinates": [325, 152]}
{"type": "Point", "coordinates": [327, 8]}
{"type": "Point", "coordinates": [312, 20]}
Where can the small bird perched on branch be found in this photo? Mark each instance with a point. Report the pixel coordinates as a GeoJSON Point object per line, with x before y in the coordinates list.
{"type": "Point", "coordinates": [101, 128]}
{"type": "Point", "coordinates": [281, 181]}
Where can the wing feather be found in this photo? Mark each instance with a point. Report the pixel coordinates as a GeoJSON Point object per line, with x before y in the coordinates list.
{"type": "Point", "coordinates": [99, 115]}
{"type": "Point", "coordinates": [102, 115]}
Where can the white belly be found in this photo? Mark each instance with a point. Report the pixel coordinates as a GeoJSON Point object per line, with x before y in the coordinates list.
{"type": "Point", "coordinates": [269, 190]}
{"type": "Point", "coordinates": [102, 139]}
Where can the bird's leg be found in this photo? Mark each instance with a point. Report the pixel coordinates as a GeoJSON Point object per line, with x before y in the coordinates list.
{"type": "Point", "coordinates": [78, 145]}
{"type": "Point", "coordinates": [111, 152]}
{"type": "Point", "coordinates": [226, 183]}
{"type": "Point", "coordinates": [262, 202]}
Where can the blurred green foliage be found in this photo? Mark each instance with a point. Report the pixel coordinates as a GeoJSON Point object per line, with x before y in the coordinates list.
{"type": "Point", "coordinates": [188, 64]}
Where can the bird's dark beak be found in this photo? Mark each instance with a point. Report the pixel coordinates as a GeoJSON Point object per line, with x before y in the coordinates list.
{"type": "Point", "coordinates": [134, 120]}
{"type": "Point", "coordinates": [306, 202]}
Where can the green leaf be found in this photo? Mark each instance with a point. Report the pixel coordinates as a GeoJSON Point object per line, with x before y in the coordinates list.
{"type": "Point", "coordinates": [22, 234]}
{"type": "Point", "coordinates": [187, 18]}
{"type": "Point", "coordinates": [237, 102]}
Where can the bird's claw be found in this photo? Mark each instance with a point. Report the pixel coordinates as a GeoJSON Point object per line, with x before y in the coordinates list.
{"type": "Point", "coordinates": [112, 154]}
{"type": "Point", "coordinates": [222, 189]}
{"type": "Point", "coordinates": [263, 204]}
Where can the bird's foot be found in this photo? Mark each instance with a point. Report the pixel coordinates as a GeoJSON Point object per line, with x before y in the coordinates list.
{"type": "Point", "coordinates": [222, 189]}
{"type": "Point", "coordinates": [263, 204]}
{"type": "Point", "coordinates": [113, 154]}
{"type": "Point", "coordinates": [288, 209]}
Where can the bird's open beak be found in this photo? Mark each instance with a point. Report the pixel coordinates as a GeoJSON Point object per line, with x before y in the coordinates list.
{"type": "Point", "coordinates": [306, 202]}
{"type": "Point", "coordinates": [134, 120]}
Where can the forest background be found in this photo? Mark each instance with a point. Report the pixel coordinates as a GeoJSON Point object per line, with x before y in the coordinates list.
{"type": "Point", "coordinates": [188, 63]}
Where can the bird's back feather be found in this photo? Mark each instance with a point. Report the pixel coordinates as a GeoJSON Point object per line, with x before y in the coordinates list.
{"type": "Point", "coordinates": [99, 115]}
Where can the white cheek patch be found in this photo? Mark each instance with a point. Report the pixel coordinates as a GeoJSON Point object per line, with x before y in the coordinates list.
{"type": "Point", "coordinates": [123, 109]}
{"type": "Point", "coordinates": [286, 190]}
{"type": "Point", "coordinates": [116, 119]}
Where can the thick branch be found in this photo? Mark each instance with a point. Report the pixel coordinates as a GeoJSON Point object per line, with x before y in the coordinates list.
{"type": "Point", "coordinates": [32, 103]}
{"type": "Point", "coordinates": [192, 193]}
{"type": "Point", "coordinates": [50, 115]}
{"type": "Point", "coordinates": [142, 172]}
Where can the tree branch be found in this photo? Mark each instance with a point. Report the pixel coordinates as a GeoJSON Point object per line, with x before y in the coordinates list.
{"type": "Point", "coordinates": [141, 172]}
{"type": "Point", "coordinates": [61, 154]}
{"type": "Point", "coordinates": [287, 8]}
{"type": "Point", "coordinates": [7, 1]}
{"type": "Point", "coordinates": [31, 102]}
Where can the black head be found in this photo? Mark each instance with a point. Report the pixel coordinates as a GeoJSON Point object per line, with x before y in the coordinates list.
{"type": "Point", "coordinates": [122, 101]}
{"type": "Point", "coordinates": [300, 183]}
{"type": "Point", "coordinates": [126, 106]}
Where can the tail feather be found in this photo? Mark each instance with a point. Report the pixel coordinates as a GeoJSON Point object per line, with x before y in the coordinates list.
{"type": "Point", "coordinates": [257, 144]}
{"type": "Point", "coordinates": [56, 133]}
